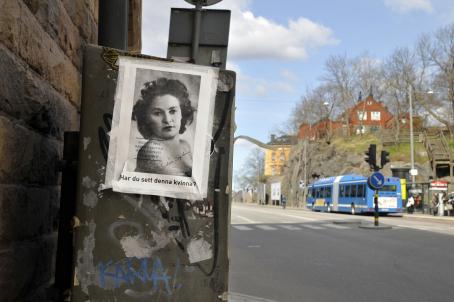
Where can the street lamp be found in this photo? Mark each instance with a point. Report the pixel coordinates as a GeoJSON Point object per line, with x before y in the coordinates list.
{"type": "Point", "coordinates": [412, 147]}
{"type": "Point", "coordinates": [327, 127]}
{"type": "Point", "coordinates": [413, 172]}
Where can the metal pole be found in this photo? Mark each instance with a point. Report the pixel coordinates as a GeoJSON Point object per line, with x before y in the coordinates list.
{"type": "Point", "coordinates": [412, 150]}
{"type": "Point", "coordinates": [196, 32]}
{"type": "Point", "coordinates": [376, 208]}
{"type": "Point", "coordinates": [113, 23]}
{"type": "Point", "coordinates": [441, 207]}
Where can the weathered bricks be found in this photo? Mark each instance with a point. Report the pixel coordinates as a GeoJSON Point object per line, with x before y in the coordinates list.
{"type": "Point", "coordinates": [54, 19]}
{"type": "Point", "coordinates": [25, 267]}
{"type": "Point", "coordinates": [23, 35]}
{"type": "Point", "coordinates": [41, 48]}
{"type": "Point", "coordinates": [82, 13]}
{"type": "Point", "coordinates": [27, 212]}
{"type": "Point", "coordinates": [27, 157]}
{"type": "Point", "coordinates": [28, 98]}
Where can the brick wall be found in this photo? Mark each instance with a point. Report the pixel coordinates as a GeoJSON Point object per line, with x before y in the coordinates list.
{"type": "Point", "coordinates": [41, 49]}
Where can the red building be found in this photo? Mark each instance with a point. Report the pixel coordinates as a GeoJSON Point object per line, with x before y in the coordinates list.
{"type": "Point", "coordinates": [368, 115]}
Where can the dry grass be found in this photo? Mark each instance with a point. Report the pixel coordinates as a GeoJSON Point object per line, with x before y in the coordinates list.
{"type": "Point", "coordinates": [359, 144]}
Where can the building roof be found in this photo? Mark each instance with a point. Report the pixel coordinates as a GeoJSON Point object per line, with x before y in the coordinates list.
{"type": "Point", "coordinates": [282, 140]}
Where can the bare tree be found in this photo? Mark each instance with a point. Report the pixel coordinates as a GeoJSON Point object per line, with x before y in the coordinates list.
{"type": "Point", "coordinates": [340, 77]}
{"type": "Point", "coordinates": [252, 170]}
{"type": "Point", "coordinates": [436, 52]}
{"type": "Point", "coordinates": [368, 75]}
{"type": "Point", "coordinates": [400, 71]}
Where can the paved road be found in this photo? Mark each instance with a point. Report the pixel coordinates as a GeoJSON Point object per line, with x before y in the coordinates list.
{"type": "Point", "coordinates": [295, 255]}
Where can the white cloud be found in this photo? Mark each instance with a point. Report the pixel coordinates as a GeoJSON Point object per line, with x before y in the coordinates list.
{"type": "Point", "coordinates": [255, 37]}
{"type": "Point", "coordinates": [250, 36]}
{"type": "Point", "coordinates": [289, 75]}
{"type": "Point", "coordinates": [404, 6]}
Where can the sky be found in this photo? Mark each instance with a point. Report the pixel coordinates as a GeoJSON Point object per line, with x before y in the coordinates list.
{"type": "Point", "coordinates": [278, 48]}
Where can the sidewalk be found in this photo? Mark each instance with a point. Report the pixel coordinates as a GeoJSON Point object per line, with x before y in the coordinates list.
{"type": "Point", "coordinates": [429, 216]}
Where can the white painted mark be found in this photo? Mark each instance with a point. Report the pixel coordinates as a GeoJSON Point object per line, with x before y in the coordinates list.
{"type": "Point", "coordinates": [299, 217]}
{"type": "Point", "coordinates": [247, 219]}
{"type": "Point", "coordinates": [87, 141]}
{"type": "Point", "coordinates": [335, 226]}
{"type": "Point", "coordinates": [136, 246]}
{"type": "Point", "coordinates": [266, 227]}
{"type": "Point", "coordinates": [254, 246]}
{"type": "Point", "coordinates": [242, 227]}
{"type": "Point", "coordinates": [314, 227]}
{"type": "Point", "coordinates": [199, 250]}
{"type": "Point", "coordinates": [90, 199]}
{"type": "Point", "coordinates": [289, 227]}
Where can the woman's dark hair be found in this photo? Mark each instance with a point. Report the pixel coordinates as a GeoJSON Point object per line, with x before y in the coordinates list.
{"type": "Point", "coordinates": [160, 87]}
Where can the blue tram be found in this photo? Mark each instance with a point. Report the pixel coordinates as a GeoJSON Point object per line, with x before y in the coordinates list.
{"type": "Point", "coordinates": [350, 193]}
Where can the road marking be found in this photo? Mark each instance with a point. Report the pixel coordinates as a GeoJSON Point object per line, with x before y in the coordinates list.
{"type": "Point", "coordinates": [266, 227]}
{"type": "Point", "coordinates": [247, 219]}
{"type": "Point", "coordinates": [335, 226]}
{"type": "Point", "coordinates": [299, 217]}
{"type": "Point", "coordinates": [289, 227]}
{"type": "Point", "coordinates": [242, 227]}
{"type": "Point", "coordinates": [314, 227]}
{"type": "Point", "coordinates": [254, 246]}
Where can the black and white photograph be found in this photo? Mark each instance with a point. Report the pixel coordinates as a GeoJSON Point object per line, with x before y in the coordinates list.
{"type": "Point", "coordinates": [161, 129]}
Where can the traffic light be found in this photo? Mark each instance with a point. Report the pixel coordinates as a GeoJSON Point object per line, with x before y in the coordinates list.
{"type": "Point", "coordinates": [384, 158]}
{"type": "Point", "coordinates": [371, 156]}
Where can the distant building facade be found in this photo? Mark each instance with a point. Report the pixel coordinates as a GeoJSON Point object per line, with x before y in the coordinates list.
{"type": "Point", "coordinates": [275, 159]}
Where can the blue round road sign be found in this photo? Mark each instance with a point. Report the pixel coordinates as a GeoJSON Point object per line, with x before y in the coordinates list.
{"type": "Point", "coordinates": [376, 180]}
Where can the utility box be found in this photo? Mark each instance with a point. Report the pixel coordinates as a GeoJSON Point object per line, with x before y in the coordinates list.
{"type": "Point", "coordinates": [134, 247]}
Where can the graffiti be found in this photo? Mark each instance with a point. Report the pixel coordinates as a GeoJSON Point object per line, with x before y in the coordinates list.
{"type": "Point", "coordinates": [132, 271]}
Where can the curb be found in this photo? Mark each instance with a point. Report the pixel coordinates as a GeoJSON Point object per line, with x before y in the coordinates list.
{"type": "Point", "coordinates": [371, 226]}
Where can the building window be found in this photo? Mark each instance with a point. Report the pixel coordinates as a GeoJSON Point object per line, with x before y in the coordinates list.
{"type": "Point", "coordinates": [375, 115]}
{"type": "Point", "coordinates": [361, 130]}
{"type": "Point", "coordinates": [362, 115]}
{"type": "Point", "coordinates": [282, 157]}
{"type": "Point", "coordinates": [273, 156]}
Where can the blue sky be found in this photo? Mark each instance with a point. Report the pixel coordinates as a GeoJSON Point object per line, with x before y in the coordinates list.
{"type": "Point", "coordinates": [278, 48]}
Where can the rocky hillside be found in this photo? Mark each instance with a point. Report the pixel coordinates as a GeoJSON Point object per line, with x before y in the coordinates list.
{"type": "Point", "coordinates": [333, 159]}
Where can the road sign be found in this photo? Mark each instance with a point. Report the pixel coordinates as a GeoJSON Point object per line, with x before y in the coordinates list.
{"type": "Point", "coordinates": [413, 172]}
{"type": "Point", "coordinates": [376, 180]}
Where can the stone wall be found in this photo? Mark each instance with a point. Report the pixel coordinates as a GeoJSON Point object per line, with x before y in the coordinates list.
{"type": "Point", "coordinates": [41, 49]}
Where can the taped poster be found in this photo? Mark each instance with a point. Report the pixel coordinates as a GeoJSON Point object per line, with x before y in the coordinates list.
{"type": "Point", "coordinates": [161, 128]}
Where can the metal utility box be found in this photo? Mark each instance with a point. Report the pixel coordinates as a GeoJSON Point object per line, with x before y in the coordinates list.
{"type": "Point", "coordinates": [161, 231]}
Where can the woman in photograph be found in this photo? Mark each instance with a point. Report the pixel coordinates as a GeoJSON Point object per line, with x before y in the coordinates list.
{"type": "Point", "coordinates": [162, 113]}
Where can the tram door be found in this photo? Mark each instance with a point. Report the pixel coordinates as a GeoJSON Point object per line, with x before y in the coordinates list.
{"type": "Point", "coordinates": [336, 193]}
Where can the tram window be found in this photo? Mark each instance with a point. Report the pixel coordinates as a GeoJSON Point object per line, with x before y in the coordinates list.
{"type": "Point", "coordinates": [360, 191]}
{"type": "Point", "coordinates": [323, 192]}
{"type": "Point", "coordinates": [342, 191]}
{"type": "Point", "coordinates": [328, 192]}
{"type": "Point", "coordinates": [317, 193]}
{"type": "Point", "coordinates": [353, 191]}
{"type": "Point", "coordinates": [347, 191]}
{"type": "Point", "coordinates": [309, 193]}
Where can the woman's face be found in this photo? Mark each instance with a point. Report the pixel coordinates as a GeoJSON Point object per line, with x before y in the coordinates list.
{"type": "Point", "coordinates": [164, 116]}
